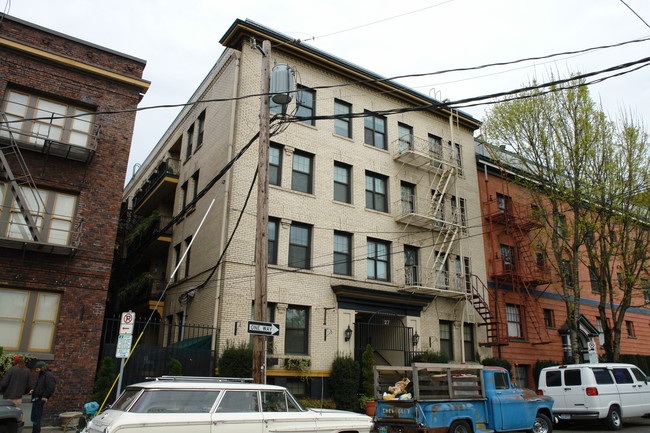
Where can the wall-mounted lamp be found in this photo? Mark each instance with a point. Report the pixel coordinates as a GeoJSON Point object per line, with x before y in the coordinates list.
{"type": "Point", "coordinates": [416, 338]}
{"type": "Point", "coordinates": [347, 333]}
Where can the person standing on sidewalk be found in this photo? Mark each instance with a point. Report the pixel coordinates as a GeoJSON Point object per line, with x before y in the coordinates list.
{"type": "Point", "coordinates": [14, 383]}
{"type": "Point", "coordinates": [41, 393]}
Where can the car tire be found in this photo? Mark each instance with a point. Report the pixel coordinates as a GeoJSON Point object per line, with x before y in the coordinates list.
{"type": "Point", "coordinates": [460, 426]}
{"type": "Point", "coordinates": [542, 424]}
{"type": "Point", "coordinates": [613, 421]}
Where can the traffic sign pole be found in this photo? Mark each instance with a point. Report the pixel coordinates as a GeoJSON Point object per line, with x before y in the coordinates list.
{"type": "Point", "coordinates": [124, 342]}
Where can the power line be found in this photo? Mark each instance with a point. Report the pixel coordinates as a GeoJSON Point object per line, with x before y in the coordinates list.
{"type": "Point", "coordinates": [634, 12]}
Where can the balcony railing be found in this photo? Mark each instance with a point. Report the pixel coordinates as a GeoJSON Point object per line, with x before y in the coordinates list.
{"type": "Point", "coordinates": [428, 213]}
{"type": "Point", "coordinates": [148, 230]}
{"type": "Point", "coordinates": [141, 287]}
{"type": "Point", "coordinates": [507, 212]}
{"type": "Point", "coordinates": [426, 155]}
{"type": "Point", "coordinates": [60, 240]}
{"type": "Point", "coordinates": [418, 279]}
{"type": "Point", "coordinates": [169, 168]}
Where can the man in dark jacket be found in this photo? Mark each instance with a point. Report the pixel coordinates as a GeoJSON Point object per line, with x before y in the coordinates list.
{"type": "Point", "coordinates": [41, 393]}
{"type": "Point", "coordinates": [14, 383]}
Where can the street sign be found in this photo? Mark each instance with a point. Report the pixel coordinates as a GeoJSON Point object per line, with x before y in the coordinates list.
{"type": "Point", "coordinates": [123, 345]}
{"type": "Point", "coordinates": [263, 328]}
{"type": "Point", "coordinates": [591, 346]}
{"type": "Point", "coordinates": [126, 323]}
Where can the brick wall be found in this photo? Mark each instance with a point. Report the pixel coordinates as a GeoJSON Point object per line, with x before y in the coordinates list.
{"type": "Point", "coordinates": [81, 279]}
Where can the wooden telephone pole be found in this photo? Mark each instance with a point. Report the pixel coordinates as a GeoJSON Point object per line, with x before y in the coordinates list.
{"type": "Point", "coordinates": [261, 238]}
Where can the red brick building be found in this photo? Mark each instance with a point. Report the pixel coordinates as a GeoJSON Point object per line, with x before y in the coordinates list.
{"type": "Point", "coordinates": [527, 312]}
{"type": "Point", "coordinates": [64, 150]}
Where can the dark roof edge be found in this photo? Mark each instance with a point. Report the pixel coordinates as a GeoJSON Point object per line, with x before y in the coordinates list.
{"type": "Point", "coordinates": [239, 28]}
{"type": "Point", "coordinates": [72, 38]}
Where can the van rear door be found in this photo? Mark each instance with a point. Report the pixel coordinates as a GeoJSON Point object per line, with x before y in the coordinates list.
{"type": "Point", "coordinates": [554, 388]}
{"type": "Point", "coordinates": [574, 391]}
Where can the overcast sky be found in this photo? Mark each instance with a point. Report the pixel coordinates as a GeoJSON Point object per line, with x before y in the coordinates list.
{"type": "Point", "coordinates": [179, 39]}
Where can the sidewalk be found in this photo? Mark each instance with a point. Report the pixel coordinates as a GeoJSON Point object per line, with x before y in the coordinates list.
{"type": "Point", "coordinates": [48, 429]}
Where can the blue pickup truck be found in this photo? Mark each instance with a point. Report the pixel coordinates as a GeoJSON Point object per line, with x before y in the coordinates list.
{"type": "Point", "coordinates": [451, 398]}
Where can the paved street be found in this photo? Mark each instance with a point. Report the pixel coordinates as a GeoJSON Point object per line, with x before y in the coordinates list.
{"type": "Point", "coordinates": [633, 425]}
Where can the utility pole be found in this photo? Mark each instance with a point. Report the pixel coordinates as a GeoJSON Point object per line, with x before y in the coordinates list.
{"type": "Point", "coordinates": [261, 238]}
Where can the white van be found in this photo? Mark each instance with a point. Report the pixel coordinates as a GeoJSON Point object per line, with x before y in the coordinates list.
{"type": "Point", "coordinates": [596, 391]}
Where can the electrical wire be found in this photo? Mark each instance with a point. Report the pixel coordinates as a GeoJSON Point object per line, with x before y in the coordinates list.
{"type": "Point", "coordinates": [634, 12]}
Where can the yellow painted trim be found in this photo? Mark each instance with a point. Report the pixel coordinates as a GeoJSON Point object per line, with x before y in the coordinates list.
{"type": "Point", "coordinates": [159, 308]}
{"type": "Point", "coordinates": [142, 84]}
{"type": "Point", "coordinates": [164, 238]}
{"type": "Point", "coordinates": [163, 180]}
{"type": "Point", "coordinates": [294, 373]}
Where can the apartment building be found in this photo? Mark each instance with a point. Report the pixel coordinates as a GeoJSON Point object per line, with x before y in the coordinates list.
{"type": "Point", "coordinates": [62, 168]}
{"type": "Point", "coordinates": [527, 317]}
{"type": "Point", "coordinates": [374, 232]}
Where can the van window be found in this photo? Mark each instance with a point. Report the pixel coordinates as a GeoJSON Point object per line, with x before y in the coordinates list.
{"type": "Point", "coordinates": [553, 378]}
{"type": "Point", "coordinates": [622, 375]}
{"type": "Point", "coordinates": [572, 378]}
{"type": "Point", "coordinates": [603, 377]}
{"type": "Point", "coordinates": [640, 376]}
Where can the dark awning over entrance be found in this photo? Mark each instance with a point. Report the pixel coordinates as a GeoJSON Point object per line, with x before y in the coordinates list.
{"type": "Point", "coordinates": [362, 299]}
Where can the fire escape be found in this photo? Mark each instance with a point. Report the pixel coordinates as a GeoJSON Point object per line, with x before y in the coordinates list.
{"type": "Point", "coordinates": [513, 265]}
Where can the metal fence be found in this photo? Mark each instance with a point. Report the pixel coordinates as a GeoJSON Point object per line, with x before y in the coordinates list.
{"type": "Point", "coordinates": [191, 345]}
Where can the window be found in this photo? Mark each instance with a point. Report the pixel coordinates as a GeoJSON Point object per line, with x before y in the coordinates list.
{"type": "Point", "coordinates": [508, 257]}
{"type": "Point", "coordinates": [458, 268]}
{"type": "Point", "coordinates": [572, 377]}
{"type": "Point", "coordinates": [374, 130]}
{"type": "Point", "coordinates": [404, 137]}
{"type": "Point", "coordinates": [468, 340]}
{"type": "Point", "coordinates": [595, 281]}
{"type": "Point", "coordinates": [521, 376]}
{"type": "Point", "coordinates": [601, 332]}
{"type": "Point", "coordinates": [195, 184]}
{"type": "Point", "coordinates": [603, 376]}
{"type": "Point", "coordinates": [411, 265]}
{"type": "Point", "coordinates": [376, 192]}
{"type": "Point", "coordinates": [273, 232]}
{"type": "Point", "coordinates": [463, 213]}
{"type": "Point", "coordinates": [378, 260]}
{"type": "Point", "coordinates": [277, 401]}
{"type": "Point", "coordinates": [306, 104]}
{"type": "Point", "coordinates": [504, 203]}
{"type": "Point", "coordinates": [629, 325]}
{"type": "Point", "coordinates": [188, 251]}
{"type": "Point", "coordinates": [567, 272]}
{"type": "Point", "coordinates": [513, 314]}
{"type": "Point", "coordinates": [78, 131]}
{"type": "Point", "coordinates": [622, 375]}
{"type": "Point", "coordinates": [301, 174]}
{"type": "Point", "coordinates": [342, 182]}
{"type": "Point", "coordinates": [407, 192]}
{"type": "Point", "coordinates": [300, 246]}
{"type": "Point", "coordinates": [442, 271]}
{"type": "Point", "coordinates": [190, 142]}
{"type": "Point", "coordinates": [184, 187]}
{"type": "Point", "coordinates": [549, 319]}
{"type": "Point", "coordinates": [275, 164]}
{"type": "Point", "coordinates": [561, 228]}
{"type": "Point", "coordinates": [52, 212]}
{"type": "Point", "coordinates": [28, 320]}
{"type": "Point", "coordinates": [554, 378]}
{"type": "Point", "coordinates": [177, 255]}
{"type": "Point", "coordinates": [540, 260]}
{"type": "Point", "coordinates": [446, 339]}
{"type": "Point", "coordinates": [155, 401]}
{"type": "Point", "coordinates": [645, 288]}
{"type": "Point", "coordinates": [501, 381]}
{"type": "Point", "coordinates": [343, 124]}
{"type": "Point", "coordinates": [342, 253]}
{"type": "Point", "coordinates": [468, 274]}
{"type": "Point", "coordinates": [435, 147]}
{"type": "Point", "coordinates": [200, 129]}
{"type": "Point", "coordinates": [238, 402]}
{"type": "Point", "coordinates": [297, 330]}
{"type": "Point", "coordinates": [459, 158]}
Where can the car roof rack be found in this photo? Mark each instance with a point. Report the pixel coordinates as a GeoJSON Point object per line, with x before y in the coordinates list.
{"type": "Point", "coordinates": [202, 379]}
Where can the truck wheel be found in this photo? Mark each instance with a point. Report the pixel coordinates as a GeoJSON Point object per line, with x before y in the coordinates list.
{"type": "Point", "coordinates": [613, 420]}
{"type": "Point", "coordinates": [460, 426]}
{"type": "Point", "coordinates": [542, 424]}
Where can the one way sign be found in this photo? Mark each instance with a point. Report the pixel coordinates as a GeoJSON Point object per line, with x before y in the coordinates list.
{"type": "Point", "coordinates": [263, 328]}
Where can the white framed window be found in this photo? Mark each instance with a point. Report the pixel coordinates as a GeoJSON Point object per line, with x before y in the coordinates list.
{"type": "Point", "coordinates": [53, 120]}
{"type": "Point", "coordinates": [513, 314]}
{"type": "Point", "coordinates": [53, 212]}
{"type": "Point", "coordinates": [28, 320]}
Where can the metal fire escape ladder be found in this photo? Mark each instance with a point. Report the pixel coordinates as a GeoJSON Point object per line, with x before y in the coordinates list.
{"type": "Point", "coordinates": [490, 318]}
{"type": "Point", "coordinates": [17, 183]}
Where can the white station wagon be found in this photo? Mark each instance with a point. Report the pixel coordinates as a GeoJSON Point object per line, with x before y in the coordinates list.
{"type": "Point", "coordinates": [214, 405]}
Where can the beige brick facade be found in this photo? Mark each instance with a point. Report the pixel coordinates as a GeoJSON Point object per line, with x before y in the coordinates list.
{"type": "Point", "coordinates": [333, 302]}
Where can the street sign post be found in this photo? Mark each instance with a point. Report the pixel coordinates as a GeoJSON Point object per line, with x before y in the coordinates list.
{"type": "Point", "coordinates": [124, 342]}
{"type": "Point", "coordinates": [263, 328]}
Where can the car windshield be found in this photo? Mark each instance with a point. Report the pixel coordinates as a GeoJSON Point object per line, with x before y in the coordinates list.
{"type": "Point", "coordinates": [175, 401]}
{"type": "Point", "coordinates": [126, 399]}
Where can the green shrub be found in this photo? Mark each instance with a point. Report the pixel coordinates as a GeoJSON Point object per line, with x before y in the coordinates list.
{"type": "Point", "coordinates": [344, 383]}
{"type": "Point", "coordinates": [175, 367]}
{"type": "Point", "coordinates": [539, 365]}
{"type": "Point", "coordinates": [498, 362]}
{"type": "Point", "coordinates": [368, 371]}
{"type": "Point", "coordinates": [236, 361]}
{"type": "Point", "coordinates": [316, 403]}
{"type": "Point", "coordinates": [103, 380]}
{"type": "Point", "coordinates": [7, 361]}
{"type": "Point", "coordinates": [431, 357]}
